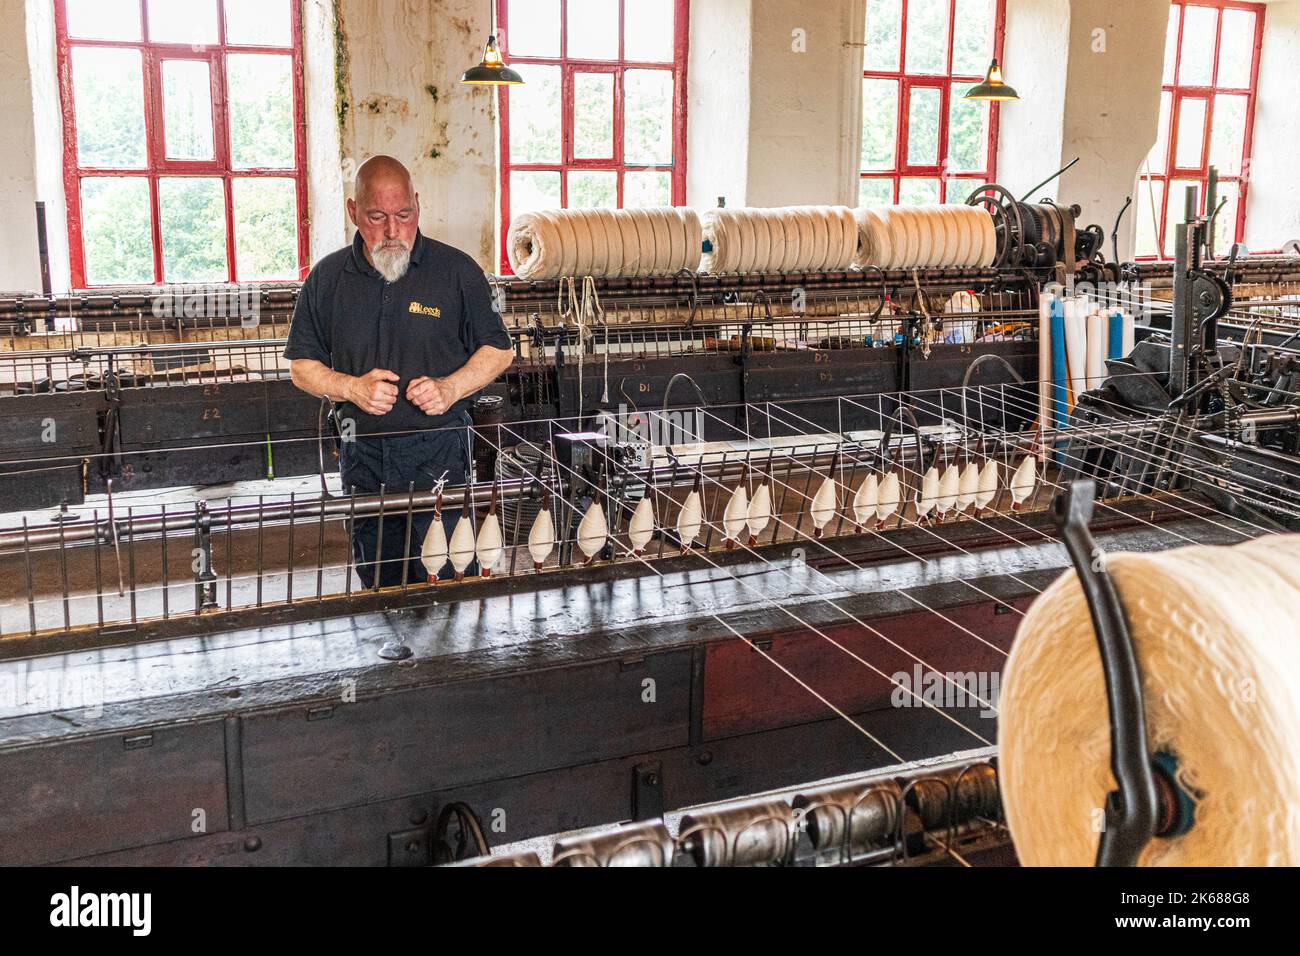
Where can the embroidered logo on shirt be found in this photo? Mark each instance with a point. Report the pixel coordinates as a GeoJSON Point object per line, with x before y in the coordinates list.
{"type": "Point", "coordinates": [432, 310]}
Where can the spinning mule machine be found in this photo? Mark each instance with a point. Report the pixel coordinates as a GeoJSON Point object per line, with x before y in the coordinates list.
{"type": "Point", "coordinates": [752, 538]}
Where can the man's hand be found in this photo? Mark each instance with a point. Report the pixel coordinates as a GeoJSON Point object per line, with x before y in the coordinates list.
{"type": "Point", "coordinates": [374, 392]}
{"type": "Point", "coordinates": [433, 396]}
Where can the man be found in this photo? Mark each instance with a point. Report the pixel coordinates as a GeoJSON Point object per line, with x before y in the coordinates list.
{"type": "Point", "coordinates": [399, 331]}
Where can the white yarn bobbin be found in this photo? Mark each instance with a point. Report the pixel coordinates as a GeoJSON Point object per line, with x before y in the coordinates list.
{"type": "Point", "coordinates": [1214, 633]}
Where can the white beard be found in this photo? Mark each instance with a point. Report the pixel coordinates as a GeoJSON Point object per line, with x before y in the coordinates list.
{"type": "Point", "coordinates": [391, 261]}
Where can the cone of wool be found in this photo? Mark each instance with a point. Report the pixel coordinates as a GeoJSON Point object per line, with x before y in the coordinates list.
{"type": "Point", "coordinates": [1214, 633]}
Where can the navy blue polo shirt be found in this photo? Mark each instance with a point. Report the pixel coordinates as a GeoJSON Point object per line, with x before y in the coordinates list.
{"type": "Point", "coordinates": [429, 322]}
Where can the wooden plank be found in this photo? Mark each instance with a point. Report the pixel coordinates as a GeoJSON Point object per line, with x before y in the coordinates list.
{"type": "Point", "coordinates": [745, 692]}
{"type": "Point", "coordinates": [111, 792]}
{"type": "Point", "coordinates": [315, 757]}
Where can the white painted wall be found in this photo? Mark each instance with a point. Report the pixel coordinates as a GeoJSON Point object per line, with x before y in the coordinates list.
{"type": "Point", "coordinates": [327, 229]}
{"type": "Point", "coordinates": [805, 102]}
{"type": "Point", "coordinates": [19, 264]}
{"type": "Point", "coordinates": [1088, 75]}
{"type": "Point", "coordinates": [717, 102]}
{"type": "Point", "coordinates": [1112, 106]}
{"type": "Point", "coordinates": [1273, 203]}
{"type": "Point", "coordinates": [404, 98]}
{"type": "Point", "coordinates": [774, 101]}
{"type": "Point", "coordinates": [1036, 52]}
{"type": "Point", "coordinates": [766, 125]}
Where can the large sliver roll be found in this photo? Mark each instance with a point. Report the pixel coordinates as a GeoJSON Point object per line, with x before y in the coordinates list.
{"type": "Point", "coordinates": [779, 239]}
{"type": "Point", "coordinates": [550, 243]}
{"type": "Point", "coordinates": [948, 236]}
{"type": "Point", "coordinates": [1214, 631]}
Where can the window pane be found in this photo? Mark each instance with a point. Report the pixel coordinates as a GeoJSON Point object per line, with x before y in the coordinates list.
{"type": "Point", "coordinates": [972, 37]}
{"type": "Point", "coordinates": [927, 36]}
{"type": "Point", "coordinates": [912, 192]}
{"type": "Point", "coordinates": [1191, 133]}
{"type": "Point", "coordinates": [1147, 210]}
{"type": "Point", "coordinates": [593, 29]}
{"type": "Point", "coordinates": [593, 115]}
{"type": "Point", "coordinates": [1236, 48]}
{"type": "Point", "coordinates": [875, 191]}
{"type": "Point", "coordinates": [261, 110]}
{"type": "Point", "coordinates": [588, 189]}
{"type": "Point", "coordinates": [648, 30]}
{"type": "Point", "coordinates": [879, 123]}
{"type": "Point", "coordinates": [531, 190]}
{"type": "Point", "coordinates": [1160, 151]}
{"type": "Point", "coordinates": [535, 117]}
{"type": "Point", "coordinates": [647, 189]}
{"type": "Point", "coordinates": [1196, 64]}
{"type": "Point", "coordinates": [1175, 212]}
{"type": "Point", "coordinates": [923, 126]}
{"type": "Point", "coordinates": [115, 227]}
{"type": "Point", "coordinates": [187, 109]}
{"type": "Point", "coordinates": [884, 32]}
{"type": "Point", "coordinates": [968, 132]}
{"type": "Point", "coordinates": [1225, 223]}
{"type": "Point", "coordinates": [1171, 48]}
{"type": "Point", "coordinates": [109, 95]}
{"type": "Point", "coordinates": [266, 228]}
{"type": "Point", "coordinates": [1228, 138]}
{"type": "Point", "coordinates": [104, 19]}
{"type": "Point", "coordinates": [648, 117]}
{"type": "Point", "coordinates": [533, 28]}
{"type": "Point", "coordinates": [259, 22]}
{"type": "Point", "coordinates": [192, 212]}
{"type": "Point", "coordinates": [957, 189]}
{"type": "Point", "coordinates": [194, 21]}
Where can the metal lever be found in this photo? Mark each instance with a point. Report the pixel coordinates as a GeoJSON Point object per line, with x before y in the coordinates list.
{"type": "Point", "coordinates": [1130, 812]}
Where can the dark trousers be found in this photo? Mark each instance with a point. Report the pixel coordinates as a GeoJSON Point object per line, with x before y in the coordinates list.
{"type": "Point", "coordinates": [396, 462]}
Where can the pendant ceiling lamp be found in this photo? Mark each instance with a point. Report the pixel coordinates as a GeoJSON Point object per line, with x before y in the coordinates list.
{"type": "Point", "coordinates": [492, 71]}
{"type": "Point", "coordinates": [993, 88]}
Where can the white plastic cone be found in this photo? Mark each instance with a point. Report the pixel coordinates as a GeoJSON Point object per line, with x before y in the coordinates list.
{"type": "Point", "coordinates": [433, 552]}
{"type": "Point", "coordinates": [949, 486]}
{"type": "Point", "coordinates": [592, 531]}
{"type": "Point", "coordinates": [864, 501]}
{"type": "Point", "coordinates": [824, 505]}
{"type": "Point", "coordinates": [487, 548]}
{"type": "Point", "coordinates": [733, 518]}
{"type": "Point", "coordinates": [988, 486]}
{"type": "Point", "coordinates": [759, 513]}
{"type": "Point", "coordinates": [689, 520]}
{"type": "Point", "coordinates": [642, 526]}
{"type": "Point", "coordinates": [889, 498]}
{"type": "Point", "coordinates": [541, 538]}
{"type": "Point", "coordinates": [461, 551]}
{"type": "Point", "coordinates": [929, 493]}
{"type": "Point", "coordinates": [1024, 481]}
{"type": "Point", "coordinates": [968, 486]}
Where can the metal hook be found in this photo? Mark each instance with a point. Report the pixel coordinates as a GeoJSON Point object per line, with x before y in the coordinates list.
{"type": "Point", "coordinates": [1130, 810]}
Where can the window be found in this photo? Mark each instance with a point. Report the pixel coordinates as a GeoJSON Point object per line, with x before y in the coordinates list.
{"type": "Point", "coordinates": [1207, 99]}
{"type": "Point", "coordinates": [922, 142]}
{"type": "Point", "coordinates": [601, 117]}
{"type": "Point", "coordinates": [183, 140]}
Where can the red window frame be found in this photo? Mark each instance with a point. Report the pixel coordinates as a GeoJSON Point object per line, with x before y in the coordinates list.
{"type": "Point", "coordinates": [568, 67]}
{"type": "Point", "coordinates": [157, 165]}
{"type": "Point", "coordinates": [1178, 92]}
{"type": "Point", "coordinates": [943, 82]}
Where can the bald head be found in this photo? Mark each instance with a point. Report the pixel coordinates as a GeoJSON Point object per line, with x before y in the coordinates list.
{"type": "Point", "coordinates": [386, 211]}
{"type": "Point", "coordinates": [383, 173]}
